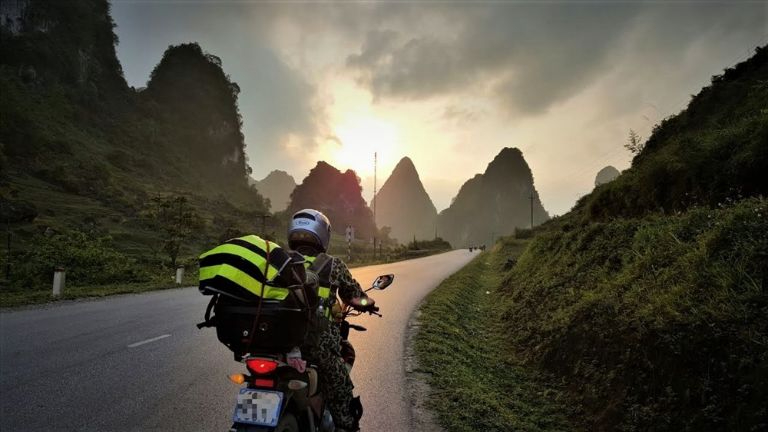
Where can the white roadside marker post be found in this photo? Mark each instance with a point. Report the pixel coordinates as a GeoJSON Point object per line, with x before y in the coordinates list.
{"type": "Point", "coordinates": [59, 279]}
{"type": "Point", "coordinates": [350, 233]}
{"type": "Point", "coordinates": [179, 274]}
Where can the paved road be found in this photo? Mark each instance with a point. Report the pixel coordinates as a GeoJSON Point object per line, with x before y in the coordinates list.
{"type": "Point", "coordinates": [137, 362]}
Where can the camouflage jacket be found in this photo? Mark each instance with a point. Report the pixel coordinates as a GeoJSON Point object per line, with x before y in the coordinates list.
{"type": "Point", "coordinates": [342, 283]}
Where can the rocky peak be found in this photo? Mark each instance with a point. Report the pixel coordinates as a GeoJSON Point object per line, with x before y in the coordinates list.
{"type": "Point", "coordinates": [338, 195]}
{"type": "Point", "coordinates": [493, 203]}
{"type": "Point", "coordinates": [277, 186]}
{"type": "Point", "coordinates": [404, 205]}
{"type": "Point", "coordinates": [606, 175]}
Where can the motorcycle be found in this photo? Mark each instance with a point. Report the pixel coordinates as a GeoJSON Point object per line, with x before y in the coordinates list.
{"type": "Point", "coordinates": [280, 397]}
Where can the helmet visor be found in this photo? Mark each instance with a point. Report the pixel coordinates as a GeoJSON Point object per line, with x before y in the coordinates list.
{"type": "Point", "coordinates": [299, 237]}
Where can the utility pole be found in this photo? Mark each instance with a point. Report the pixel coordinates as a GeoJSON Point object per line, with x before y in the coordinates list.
{"type": "Point", "coordinates": [349, 242]}
{"type": "Point", "coordinates": [531, 198]}
{"type": "Point", "coordinates": [8, 242]}
{"type": "Point", "coordinates": [375, 228]}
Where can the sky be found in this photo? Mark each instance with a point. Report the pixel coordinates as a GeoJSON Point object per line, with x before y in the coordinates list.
{"type": "Point", "coordinates": [451, 83]}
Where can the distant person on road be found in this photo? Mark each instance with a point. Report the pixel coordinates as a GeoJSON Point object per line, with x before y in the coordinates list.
{"type": "Point", "coordinates": [309, 234]}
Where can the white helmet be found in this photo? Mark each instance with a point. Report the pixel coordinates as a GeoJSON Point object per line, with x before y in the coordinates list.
{"type": "Point", "coordinates": [309, 227]}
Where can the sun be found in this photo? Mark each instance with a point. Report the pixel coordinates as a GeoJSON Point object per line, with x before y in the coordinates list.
{"type": "Point", "coordinates": [359, 137]}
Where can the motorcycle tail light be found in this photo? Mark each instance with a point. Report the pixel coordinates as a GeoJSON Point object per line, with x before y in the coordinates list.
{"type": "Point", "coordinates": [261, 366]}
{"type": "Point", "coordinates": [264, 382]}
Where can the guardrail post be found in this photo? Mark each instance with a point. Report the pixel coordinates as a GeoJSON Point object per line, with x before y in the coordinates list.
{"type": "Point", "coordinates": [59, 279]}
{"type": "Point", "coordinates": [179, 274]}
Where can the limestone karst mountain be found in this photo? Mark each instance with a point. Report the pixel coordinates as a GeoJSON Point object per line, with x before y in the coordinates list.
{"type": "Point", "coordinates": [404, 205]}
{"type": "Point", "coordinates": [88, 161]}
{"type": "Point", "coordinates": [338, 195]}
{"type": "Point", "coordinates": [493, 203]}
{"type": "Point", "coordinates": [277, 186]}
{"type": "Point", "coordinates": [606, 175]}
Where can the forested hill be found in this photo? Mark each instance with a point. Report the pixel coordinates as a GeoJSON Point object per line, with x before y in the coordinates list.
{"type": "Point", "coordinates": [83, 156]}
{"type": "Point", "coordinates": [648, 300]}
{"type": "Point", "coordinates": [66, 42]}
{"type": "Point", "coordinates": [712, 152]}
{"type": "Point", "coordinates": [338, 195]}
{"type": "Point", "coordinates": [277, 186]}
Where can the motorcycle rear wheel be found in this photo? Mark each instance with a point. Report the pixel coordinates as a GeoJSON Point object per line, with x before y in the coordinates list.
{"type": "Point", "coordinates": [286, 424]}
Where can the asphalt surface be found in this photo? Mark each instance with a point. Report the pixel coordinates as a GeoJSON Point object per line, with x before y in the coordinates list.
{"type": "Point", "coordinates": [138, 362]}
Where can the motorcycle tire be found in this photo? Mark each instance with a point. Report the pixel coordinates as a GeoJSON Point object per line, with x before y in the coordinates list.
{"type": "Point", "coordinates": [286, 424]}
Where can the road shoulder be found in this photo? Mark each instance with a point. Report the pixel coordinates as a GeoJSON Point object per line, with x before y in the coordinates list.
{"type": "Point", "coordinates": [474, 381]}
{"type": "Point", "coordinates": [422, 418]}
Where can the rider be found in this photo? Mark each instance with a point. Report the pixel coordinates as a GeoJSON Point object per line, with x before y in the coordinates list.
{"type": "Point", "coordinates": [309, 233]}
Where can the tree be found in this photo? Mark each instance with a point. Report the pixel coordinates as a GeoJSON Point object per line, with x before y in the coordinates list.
{"type": "Point", "coordinates": [384, 236]}
{"type": "Point", "coordinates": [634, 143]}
{"type": "Point", "coordinates": [175, 219]}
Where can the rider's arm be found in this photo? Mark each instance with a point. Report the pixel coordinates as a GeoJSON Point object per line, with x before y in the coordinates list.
{"type": "Point", "coordinates": [347, 286]}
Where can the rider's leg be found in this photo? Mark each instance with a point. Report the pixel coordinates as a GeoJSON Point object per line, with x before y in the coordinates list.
{"type": "Point", "coordinates": [334, 378]}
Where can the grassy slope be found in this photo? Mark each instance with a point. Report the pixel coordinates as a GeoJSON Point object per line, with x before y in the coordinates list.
{"type": "Point", "coordinates": [476, 383]}
{"type": "Point", "coordinates": [656, 323]}
{"type": "Point", "coordinates": [648, 300]}
{"type": "Point", "coordinates": [711, 153]}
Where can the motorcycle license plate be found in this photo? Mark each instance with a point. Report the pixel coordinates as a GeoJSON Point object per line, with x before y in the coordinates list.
{"type": "Point", "coordinates": [258, 407]}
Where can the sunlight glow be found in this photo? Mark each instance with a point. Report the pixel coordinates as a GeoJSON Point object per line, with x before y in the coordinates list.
{"type": "Point", "coordinates": [359, 137]}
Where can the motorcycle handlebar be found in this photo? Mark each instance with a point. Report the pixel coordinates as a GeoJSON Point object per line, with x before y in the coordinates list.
{"type": "Point", "coordinates": [372, 310]}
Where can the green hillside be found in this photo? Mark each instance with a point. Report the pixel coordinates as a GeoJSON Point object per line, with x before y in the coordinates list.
{"type": "Point", "coordinates": [648, 300]}
{"type": "Point", "coordinates": [112, 182]}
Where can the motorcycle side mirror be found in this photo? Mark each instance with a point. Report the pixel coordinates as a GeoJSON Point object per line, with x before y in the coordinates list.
{"type": "Point", "coordinates": [383, 281]}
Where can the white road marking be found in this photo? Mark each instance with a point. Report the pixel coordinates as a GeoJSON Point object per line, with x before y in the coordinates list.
{"type": "Point", "coordinates": [134, 345]}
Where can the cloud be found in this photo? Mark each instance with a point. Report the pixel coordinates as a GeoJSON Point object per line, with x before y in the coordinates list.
{"type": "Point", "coordinates": [375, 48]}
{"type": "Point", "coordinates": [529, 57]}
{"type": "Point", "coordinates": [462, 116]}
{"type": "Point", "coordinates": [477, 75]}
{"type": "Point", "coordinates": [287, 105]}
{"type": "Point", "coordinates": [407, 70]}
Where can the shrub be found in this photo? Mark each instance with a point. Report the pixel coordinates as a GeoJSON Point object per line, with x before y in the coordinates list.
{"type": "Point", "coordinates": [88, 260]}
{"type": "Point", "coordinates": [658, 323]}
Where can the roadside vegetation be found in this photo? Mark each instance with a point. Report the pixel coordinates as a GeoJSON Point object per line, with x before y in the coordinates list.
{"type": "Point", "coordinates": [115, 184]}
{"type": "Point", "coordinates": [120, 185]}
{"type": "Point", "coordinates": [648, 300]}
{"type": "Point", "coordinates": [477, 382]}
{"type": "Point", "coordinates": [14, 299]}
{"type": "Point", "coordinates": [655, 323]}
{"type": "Point", "coordinates": [363, 253]}
{"type": "Point", "coordinates": [93, 264]}
{"type": "Point", "coordinates": [646, 303]}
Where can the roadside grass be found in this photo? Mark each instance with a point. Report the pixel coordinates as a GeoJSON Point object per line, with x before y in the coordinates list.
{"type": "Point", "coordinates": [657, 323]}
{"type": "Point", "coordinates": [10, 299]}
{"type": "Point", "coordinates": [390, 258]}
{"type": "Point", "coordinates": [15, 298]}
{"type": "Point", "coordinates": [476, 382]}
